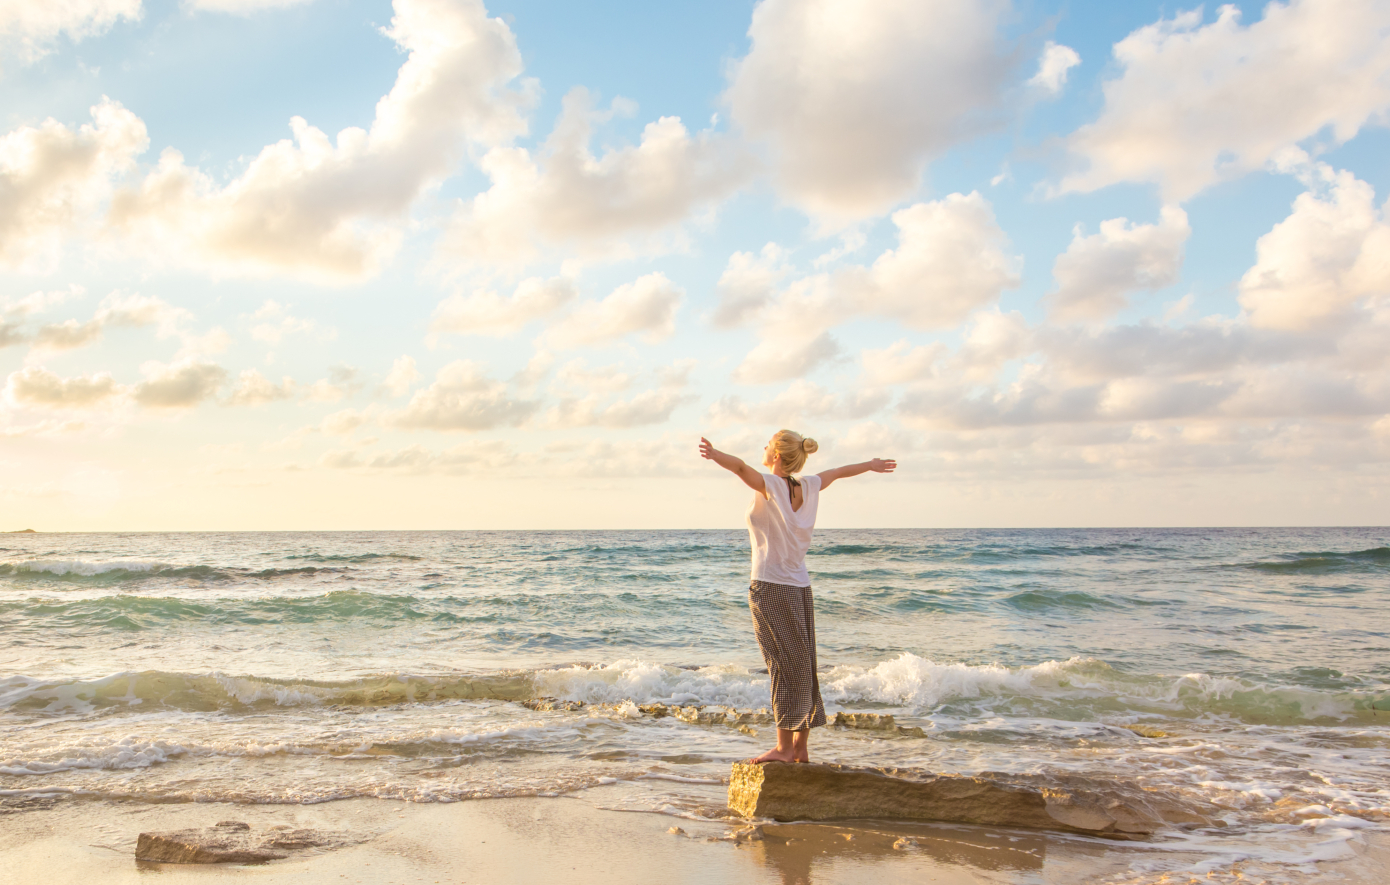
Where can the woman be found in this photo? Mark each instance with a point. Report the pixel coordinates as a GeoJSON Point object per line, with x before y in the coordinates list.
{"type": "Point", "coordinates": [780, 522]}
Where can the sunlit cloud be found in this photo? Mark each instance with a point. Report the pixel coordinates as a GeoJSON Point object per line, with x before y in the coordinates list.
{"type": "Point", "coordinates": [335, 210]}
{"type": "Point", "coordinates": [565, 200]}
{"type": "Point", "coordinates": [1193, 104]}
{"type": "Point", "coordinates": [30, 29]}
{"type": "Point", "coordinates": [927, 74]}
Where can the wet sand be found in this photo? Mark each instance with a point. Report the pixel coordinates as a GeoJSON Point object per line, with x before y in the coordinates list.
{"type": "Point", "coordinates": [569, 839]}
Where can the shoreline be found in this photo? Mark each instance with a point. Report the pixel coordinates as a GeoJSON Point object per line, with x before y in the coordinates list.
{"type": "Point", "coordinates": [536, 839]}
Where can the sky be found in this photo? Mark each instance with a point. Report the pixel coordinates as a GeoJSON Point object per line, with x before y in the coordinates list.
{"type": "Point", "coordinates": [436, 264]}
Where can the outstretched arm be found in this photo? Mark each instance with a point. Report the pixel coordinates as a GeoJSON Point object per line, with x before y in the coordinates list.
{"type": "Point", "coordinates": [751, 478]}
{"type": "Point", "coordinates": [877, 465]}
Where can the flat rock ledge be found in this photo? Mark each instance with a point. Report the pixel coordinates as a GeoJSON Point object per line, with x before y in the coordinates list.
{"type": "Point", "coordinates": [229, 842]}
{"type": "Point", "coordinates": [804, 792]}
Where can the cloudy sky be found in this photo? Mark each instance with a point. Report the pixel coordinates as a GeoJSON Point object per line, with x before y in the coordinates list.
{"type": "Point", "coordinates": [302, 264]}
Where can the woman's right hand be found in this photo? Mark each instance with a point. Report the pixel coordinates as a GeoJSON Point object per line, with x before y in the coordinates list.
{"type": "Point", "coordinates": [883, 465]}
{"type": "Point", "coordinates": [706, 449]}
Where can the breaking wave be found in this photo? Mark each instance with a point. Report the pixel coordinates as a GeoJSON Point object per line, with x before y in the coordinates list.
{"type": "Point", "coordinates": [1075, 689]}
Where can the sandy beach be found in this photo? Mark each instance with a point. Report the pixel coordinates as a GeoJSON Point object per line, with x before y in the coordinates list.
{"type": "Point", "coordinates": [574, 839]}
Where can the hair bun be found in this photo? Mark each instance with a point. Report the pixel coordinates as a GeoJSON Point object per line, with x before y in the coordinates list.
{"type": "Point", "coordinates": [809, 446]}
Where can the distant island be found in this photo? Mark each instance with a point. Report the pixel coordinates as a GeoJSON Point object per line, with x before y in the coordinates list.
{"type": "Point", "coordinates": [23, 532]}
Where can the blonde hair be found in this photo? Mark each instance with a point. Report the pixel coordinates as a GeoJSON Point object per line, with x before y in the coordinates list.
{"type": "Point", "coordinates": [792, 449]}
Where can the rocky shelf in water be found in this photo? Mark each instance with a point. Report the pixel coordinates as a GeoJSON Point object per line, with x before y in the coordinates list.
{"type": "Point", "coordinates": [812, 792]}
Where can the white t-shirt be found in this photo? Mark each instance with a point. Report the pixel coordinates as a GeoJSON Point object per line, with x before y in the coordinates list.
{"type": "Point", "coordinates": [780, 535]}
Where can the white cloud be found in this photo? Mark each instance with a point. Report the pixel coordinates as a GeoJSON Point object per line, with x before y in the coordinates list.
{"type": "Point", "coordinates": [53, 179]}
{"type": "Point", "coordinates": [646, 408]}
{"type": "Point", "coordinates": [535, 370]}
{"type": "Point", "coordinates": [1054, 64]}
{"type": "Point", "coordinates": [950, 261]}
{"type": "Point", "coordinates": [851, 241]}
{"type": "Point", "coordinates": [37, 302]}
{"type": "Point", "coordinates": [47, 427]}
{"type": "Point", "coordinates": [254, 389]}
{"type": "Point", "coordinates": [34, 25]}
{"type": "Point", "coordinates": [273, 323]}
{"type": "Point", "coordinates": [1207, 348]}
{"type": "Point", "coordinates": [993, 339]}
{"type": "Point", "coordinates": [11, 333]}
{"type": "Point", "coordinates": [1303, 392]}
{"type": "Point", "coordinates": [677, 374]}
{"type": "Point", "coordinates": [1228, 399]}
{"type": "Point", "coordinates": [901, 363]}
{"type": "Point", "coordinates": [576, 375]}
{"type": "Point", "coordinates": [1158, 399]}
{"type": "Point", "coordinates": [646, 307]}
{"type": "Point", "coordinates": [402, 376]}
{"type": "Point", "coordinates": [777, 358]}
{"type": "Point", "coordinates": [335, 211]}
{"type": "Point", "coordinates": [15, 311]}
{"type": "Point", "coordinates": [194, 347]}
{"type": "Point", "coordinates": [66, 335]}
{"type": "Point", "coordinates": [748, 283]}
{"type": "Point", "coordinates": [178, 385]}
{"type": "Point", "coordinates": [115, 311]}
{"type": "Point", "coordinates": [36, 386]}
{"type": "Point", "coordinates": [801, 402]}
{"type": "Point", "coordinates": [484, 312]}
{"type": "Point", "coordinates": [1327, 257]}
{"type": "Point", "coordinates": [613, 205]}
{"type": "Point", "coordinates": [347, 420]}
{"type": "Point", "coordinates": [854, 96]}
{"type": "Point", "coordinates": [1096, 272]}
{"type": "Point", "coordinates": [482, 456]}
{"type": "Point", "coordinates": [622, 458]}
{"type": "Point", "coordinates": [1197, 104]}
{"type": "Point", "coordinates": [341, 381]}
{"type": "Point", "coordinates": [136, 310]}
{"type": "Point", "coordinates": [462, 397]}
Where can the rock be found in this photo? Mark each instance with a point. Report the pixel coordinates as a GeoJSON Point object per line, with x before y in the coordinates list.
{"type": "Point", "coordinates": [551, 705]}
{"type": "Point", "coordinates": [229, 842]}
{"type": "Point", "coordinates": [676, 831]}
{"type": "Point", "coordinates": [905, 843]}
{"type": "Point", "coordinates": [787, 792]}
{"type": "Point", "coordinates": [1147, 731]}
{"type": "Point", "coordinates": [747, 834]}
{"type": "Point", "coordinates": [871, 721]}
{"type": "Point", "coordinates": [876, 722]}
{"type": "Point", "coordinates": [698, 716]}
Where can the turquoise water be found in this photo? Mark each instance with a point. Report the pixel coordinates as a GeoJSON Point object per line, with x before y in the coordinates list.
{"type": "Point", "coordinates": [1243, 670]}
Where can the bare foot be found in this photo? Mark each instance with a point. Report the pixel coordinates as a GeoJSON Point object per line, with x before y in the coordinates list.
{"type": "Point", "coordinates": [802, 757]}
{"type": "Point", "coordinates": [773, 755]}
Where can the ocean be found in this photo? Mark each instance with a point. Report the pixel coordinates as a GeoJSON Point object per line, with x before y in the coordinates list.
{"type": "Point", "coordinates": [1245, 672]}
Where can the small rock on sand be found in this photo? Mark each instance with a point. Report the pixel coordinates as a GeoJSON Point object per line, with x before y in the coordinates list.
{"type": "Point", "coordinates": [230, 841]}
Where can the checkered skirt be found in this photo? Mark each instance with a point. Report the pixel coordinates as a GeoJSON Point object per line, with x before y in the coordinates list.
{"type": "Point", "coordinates": [784, 620]}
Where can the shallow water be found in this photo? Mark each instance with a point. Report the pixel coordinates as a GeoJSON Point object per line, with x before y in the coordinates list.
{"type": "Point", "coordinates": [1245, 670]}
